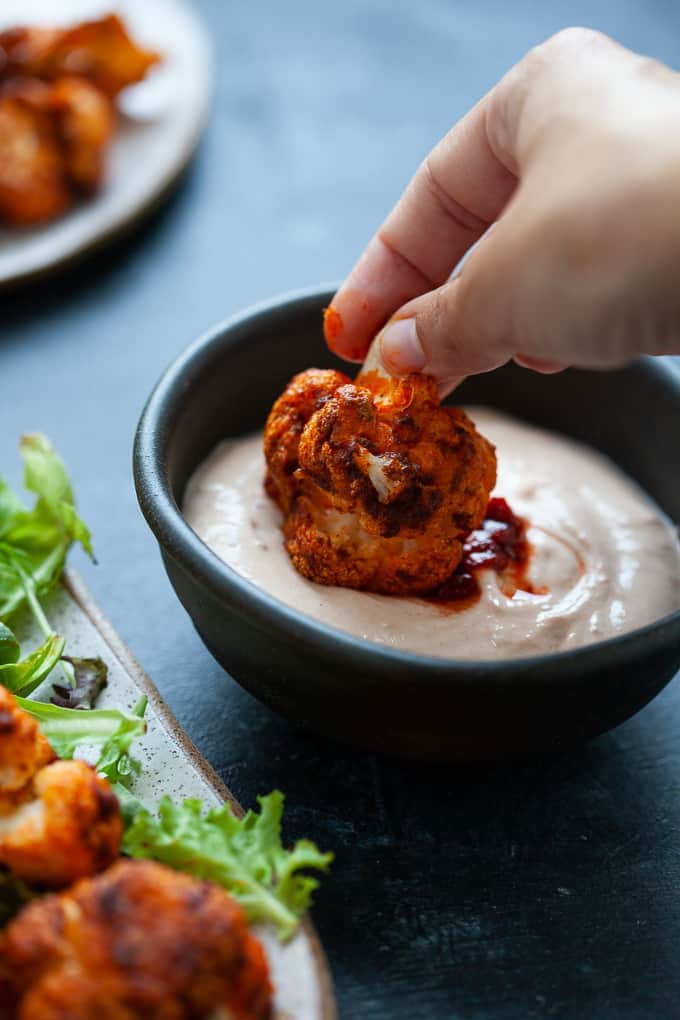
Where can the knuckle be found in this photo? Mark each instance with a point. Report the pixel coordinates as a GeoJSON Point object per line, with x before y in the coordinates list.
{"type": "Point", "coordinates": [537, 75]}
{"type": "Point", "coordinates": [501, 120]}
{"type": "Point", "coordinates": [573, 39]}
{"type": "Point", "coordinates": [566, 45]}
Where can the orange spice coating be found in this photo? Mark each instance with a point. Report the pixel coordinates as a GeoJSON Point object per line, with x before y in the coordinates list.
{"type": "Point", "coordinates": [69, 827]}
{"type": "Point", "coordinates": [378, 483]}
{"type": "Point", "coordinates": [85, 122]}
{"type": "Point", "coordinates": [332, 325]}
{"type": "Point", "coordinates": [59, 820]}
{"type": "Point", "coordinates": [57, 113]}
{"type": "Point", "coordinates": [140, 942]}
{"type": "Point", "coordinates": [100, 50]}
{"type": "Point", "coordinates": [303, 396]}
{"type": "Point", "coordinates": [33, 182]}
{"type": "Point", "coordinates": [23, 748]}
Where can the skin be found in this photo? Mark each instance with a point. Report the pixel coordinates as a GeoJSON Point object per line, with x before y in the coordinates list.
{"type": "Point", "coordinates": [574, 159]}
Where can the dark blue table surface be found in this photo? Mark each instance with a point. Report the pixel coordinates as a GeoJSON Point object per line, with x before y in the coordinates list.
{"type": "Point", "coordinates": [547, 888]}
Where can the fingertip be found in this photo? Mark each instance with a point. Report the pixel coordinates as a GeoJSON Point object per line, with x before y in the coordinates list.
{"type": "Point", "coordinates": [333, 325]}
{"type": "Point", "coordinates": [345, 326]}
{"type": "Point", "coordinates": [335, 335]}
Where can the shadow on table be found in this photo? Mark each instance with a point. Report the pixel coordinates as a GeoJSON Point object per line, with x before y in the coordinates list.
{"type": "Point", "coordinates": [534, 887]}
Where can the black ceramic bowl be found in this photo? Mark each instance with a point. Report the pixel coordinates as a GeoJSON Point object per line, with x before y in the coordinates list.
{"type": "Point", "coordinates": [224, 385]}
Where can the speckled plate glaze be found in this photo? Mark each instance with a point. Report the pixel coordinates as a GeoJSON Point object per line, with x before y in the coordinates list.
{"type": "Point", "coordinates": [173, 765]}
{"type": "Point", "coordinates": [160, 125]}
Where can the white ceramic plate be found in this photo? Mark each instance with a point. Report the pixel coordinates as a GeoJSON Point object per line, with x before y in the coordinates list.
{"type": "Point", "coordinates": [160, 126]}
{"type": "Point", "coordinates": [173, 765]}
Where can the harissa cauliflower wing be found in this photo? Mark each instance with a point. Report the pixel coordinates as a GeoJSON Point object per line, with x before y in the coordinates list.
{"type": "Point", "coordinates": [379, 484]}
{"type": "Point", "coordinates": [140, 942]}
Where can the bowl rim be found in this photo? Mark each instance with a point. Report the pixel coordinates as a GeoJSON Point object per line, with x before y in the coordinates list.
{"type": "Point", "coordinates": [178, 539]}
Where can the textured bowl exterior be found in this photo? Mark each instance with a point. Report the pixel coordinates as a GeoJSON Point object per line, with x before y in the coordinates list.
{"type": "Point", "coordinates": [353, 690]}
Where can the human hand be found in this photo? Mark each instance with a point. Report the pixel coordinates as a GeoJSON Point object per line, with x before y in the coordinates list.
{"type": "Point", "coordinates": [574, 157]}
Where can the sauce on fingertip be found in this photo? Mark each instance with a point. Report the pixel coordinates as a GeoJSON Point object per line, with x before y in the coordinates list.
{"type": "Point", "coordinates": [333, 326]}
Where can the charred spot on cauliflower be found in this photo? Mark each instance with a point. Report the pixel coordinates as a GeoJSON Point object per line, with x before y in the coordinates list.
{"type": "Point", "coordinates": [140, 941]}
{"type": "Point", "coordinates": [59, 820]}
{"type": "Point", "coordinates": [379, 483]}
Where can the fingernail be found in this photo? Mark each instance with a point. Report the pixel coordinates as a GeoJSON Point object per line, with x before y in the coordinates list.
{"type": "Point", "coordinates": [400, 349]}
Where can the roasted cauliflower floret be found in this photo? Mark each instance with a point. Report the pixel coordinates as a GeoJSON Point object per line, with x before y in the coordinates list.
{"type": "Point", "coordinates": [85, 123]}
{"type": "Point", "coordinates": [23, 750]}
{"type": "Point", "coordinates": [59, 820]}
{"type": "Point", "coordinates": [71, 122]}
{"type": "Point", "coordinates": [57, 116]}
{"type": "Point", "coordinates": [33, 183]}
{"type": "Point", "coordinates": [305, 394]}
{"type": "Point", "coordinates": [100, 51]}
{"type": "Point", "coordinates": [70, 826]}
{"type": "Point", "coordinates": [378, 483]}
{"type": "Point", "coordinates": [140, 941]}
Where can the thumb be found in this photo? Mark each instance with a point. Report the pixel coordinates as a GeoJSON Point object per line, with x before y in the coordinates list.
{"type": "Point", "coordinates": [461, 328]}
{"type": "Point", "coordinates": [479, 319]}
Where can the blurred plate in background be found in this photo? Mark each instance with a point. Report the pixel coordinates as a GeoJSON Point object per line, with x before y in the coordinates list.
{"type": "Point", "coordinates": [160, 125]}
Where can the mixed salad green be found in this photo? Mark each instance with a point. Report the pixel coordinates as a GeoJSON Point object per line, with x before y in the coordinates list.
{"type": "Point", "coordinates": [244, 855]}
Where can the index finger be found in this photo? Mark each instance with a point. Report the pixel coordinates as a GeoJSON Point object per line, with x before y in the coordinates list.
{"type": "Point", "coordinates": [457, 192]}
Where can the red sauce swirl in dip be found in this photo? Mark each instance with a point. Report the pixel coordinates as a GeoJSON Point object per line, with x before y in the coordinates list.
{"type": "Point", "coordinates": [500, 544]}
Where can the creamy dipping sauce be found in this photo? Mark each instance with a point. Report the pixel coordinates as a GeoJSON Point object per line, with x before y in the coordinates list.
{"type": "Point", "coordinates": [606, 558]}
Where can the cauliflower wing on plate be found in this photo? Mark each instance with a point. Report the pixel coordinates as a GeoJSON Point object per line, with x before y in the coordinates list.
{"type": "Point", "coordinates": [33, 183]}
{"type": "Point", "coordinates": [57, 114]}
{"type": "Point", "coordinates": [23, 749]}
{"type": "Point", "coordinates": [140, 942]}
{"type": "Point", "coordinates": [379, 484]}
{"type": "Point", "coordinates": [59, 820]}
{"type": "Point", "coordinates": [101, 51]}
{"type": "Point", "coordinates": [85, 121]}
{"type": "Point", "coordinates": [53, 143]}
{"type": "Point", "coordinates": [69, 825]}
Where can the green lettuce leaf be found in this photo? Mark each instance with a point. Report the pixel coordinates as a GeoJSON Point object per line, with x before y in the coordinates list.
{"type": "Point", "coordinates": [10, 505]}
{"type": "Point", "coordinates": [115, 761]}
{"type": "Point", "coordinates": [34, 543]}
{"type": "Point", "coordinates": [113, 731]}
{"type": "Point", "coordinates": [129, 804]}
{"type": "Point", "coordinates": [9, 646]}
{"type": "Point", "coordinates": [23, 677]}
{"type": "Point", "coordinates": [244, 855]}
{"type": "Point", "coordinates": [45, 475]}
